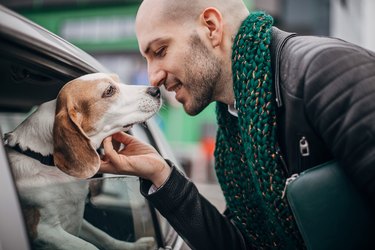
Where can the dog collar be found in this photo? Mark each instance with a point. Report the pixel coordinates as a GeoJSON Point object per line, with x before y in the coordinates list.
{"type": "Point", "coordinates": [46, 160]}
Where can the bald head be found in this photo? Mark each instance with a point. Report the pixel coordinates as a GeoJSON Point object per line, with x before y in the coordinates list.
{"type": "Point", "coordinates": [233, 11]}
{"type": "Point", "coordinates": [174, 34]}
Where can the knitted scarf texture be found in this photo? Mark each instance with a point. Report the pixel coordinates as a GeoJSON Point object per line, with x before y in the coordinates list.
{"type": "Point", "coordinates": [247, 153]}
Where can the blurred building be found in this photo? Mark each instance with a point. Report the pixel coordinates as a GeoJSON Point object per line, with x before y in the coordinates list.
{"type": "Point", "coordinates": [350, 20]}
{"type": "Point", "coordinates": [105, 29]}
{"type": "Point", "coordinates": [353, 20]}
{"type": "Point", "coordinates": [301, 16]}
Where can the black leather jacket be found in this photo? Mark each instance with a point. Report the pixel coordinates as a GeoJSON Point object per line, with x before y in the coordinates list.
{"type": "Point", "coordinates": [325, 92]}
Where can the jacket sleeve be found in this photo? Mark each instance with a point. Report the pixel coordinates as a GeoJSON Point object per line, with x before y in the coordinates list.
{"type": "Point", "coordinates": [196, 220]}
{"type": "Point", "coordinates": [340, 103]}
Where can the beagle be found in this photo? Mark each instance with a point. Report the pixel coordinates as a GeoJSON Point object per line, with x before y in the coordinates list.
{"type": "Point", "coordinates": [65, 133]}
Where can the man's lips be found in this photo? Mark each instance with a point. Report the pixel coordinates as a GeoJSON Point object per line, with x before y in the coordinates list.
{"type": "Point", "coordinates": [175, 87]}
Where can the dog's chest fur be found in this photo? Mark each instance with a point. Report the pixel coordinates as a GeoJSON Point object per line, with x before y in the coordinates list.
{"type": "Point", "coordinates": [49, 194]}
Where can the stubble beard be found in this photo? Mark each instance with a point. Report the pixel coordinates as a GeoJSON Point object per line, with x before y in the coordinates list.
{"type": "Point", "coordinates": [204, 71]}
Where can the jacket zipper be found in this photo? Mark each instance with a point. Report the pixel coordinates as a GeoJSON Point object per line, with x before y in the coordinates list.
{"type": "Point", "coordinates": [305, 151]}
{"type": "Point", "coordinates": [282, 160]}
{"type": "Point", "coordinates": [304, 147]}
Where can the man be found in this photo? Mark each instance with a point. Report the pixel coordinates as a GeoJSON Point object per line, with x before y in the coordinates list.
{"type": "Point", "coordinates": [285, 103]}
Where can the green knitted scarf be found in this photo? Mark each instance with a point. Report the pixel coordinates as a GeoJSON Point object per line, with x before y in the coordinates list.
{"type": "Point", "coordinates": [247, 153]}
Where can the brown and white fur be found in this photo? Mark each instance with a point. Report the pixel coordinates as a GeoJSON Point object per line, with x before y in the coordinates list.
{"type": "Point", "coordinates": [71, 128]}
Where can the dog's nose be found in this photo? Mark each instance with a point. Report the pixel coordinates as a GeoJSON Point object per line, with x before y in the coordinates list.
{"type": "Point", "coordinates": [153, 91]}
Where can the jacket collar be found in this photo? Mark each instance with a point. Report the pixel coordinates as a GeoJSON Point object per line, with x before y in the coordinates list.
{"type": "Point", "coordinates": [279, 38]}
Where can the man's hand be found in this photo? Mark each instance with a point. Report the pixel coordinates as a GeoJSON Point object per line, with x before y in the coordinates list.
{"type": "Point", "coordinates": [136, 158]}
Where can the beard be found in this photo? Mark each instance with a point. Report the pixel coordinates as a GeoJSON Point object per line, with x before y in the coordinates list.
{"type": "Point", "coordinates": [203, 72]}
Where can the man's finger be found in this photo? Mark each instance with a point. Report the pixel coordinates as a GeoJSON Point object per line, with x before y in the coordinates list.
{"type": "Point", "coordinates": [124, 138]}
{"type": "Point", "coordinates": [110, 153]}
{"type": "Point", "coordinates": [105, 167]}
{"type": "Point", "coordinates": [107, 140]}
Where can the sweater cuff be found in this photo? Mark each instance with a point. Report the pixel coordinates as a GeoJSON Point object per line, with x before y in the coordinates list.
{"type": "Point", "coordinates": [167, 196]}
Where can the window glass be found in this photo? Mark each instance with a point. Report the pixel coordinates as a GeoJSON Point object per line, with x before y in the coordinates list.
{"type": "Point", "coordinates": [99, 213]}
{"type": "Point", "coordinates": [105, 212]}
{"type": "Point", "coordinates": [108, 213]}
{"type": "Point", "coordinates": [9, 121]}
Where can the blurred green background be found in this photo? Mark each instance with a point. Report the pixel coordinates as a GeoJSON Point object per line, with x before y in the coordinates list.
{"type": "Point", "coordinates": [105, 29]}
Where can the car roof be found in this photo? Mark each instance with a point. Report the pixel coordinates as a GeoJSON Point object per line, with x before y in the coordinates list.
{"type": "Point", "coordinates": [36, 63]}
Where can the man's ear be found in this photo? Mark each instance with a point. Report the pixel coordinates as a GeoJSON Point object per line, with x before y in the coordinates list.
{"type": "Point", "coordinates": [212, 19]}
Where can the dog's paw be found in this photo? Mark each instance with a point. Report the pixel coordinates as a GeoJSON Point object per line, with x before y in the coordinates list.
{"type": "Point", "coordinates": [144, 243]}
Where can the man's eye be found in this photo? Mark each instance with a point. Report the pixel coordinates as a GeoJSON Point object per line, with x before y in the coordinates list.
{"type": "Point", "coordinates": [160, 52]}
{"type": "Point", "coordinates": [110, 91]}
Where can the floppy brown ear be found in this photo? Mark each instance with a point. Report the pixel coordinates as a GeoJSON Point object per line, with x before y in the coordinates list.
{"type": "Point", "coordinates": [73, 152]}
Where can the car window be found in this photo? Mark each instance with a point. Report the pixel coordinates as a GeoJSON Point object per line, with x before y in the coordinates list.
{"type": "Point", "coordinates": [107, 212]}
{"type": "Point", "coordinates": [104, 207]}
{"type": "Point", "coordinates": [110, 206]}
{"type": "Point", "coordinates": [12, 231]}
{"type": "Point", "coordinates": [150, 133]}
{"type": "Point", "coordinates": [8, 121]}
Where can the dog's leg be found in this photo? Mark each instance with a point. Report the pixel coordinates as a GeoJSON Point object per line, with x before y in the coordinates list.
{"type": "Point", "coordinates": [104, 241]}
{"type": "Point", "coordinates": [57, 238]}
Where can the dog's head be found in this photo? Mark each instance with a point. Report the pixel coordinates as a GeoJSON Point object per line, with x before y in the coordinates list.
{"type": "Point", "coordinates": [90, 108]}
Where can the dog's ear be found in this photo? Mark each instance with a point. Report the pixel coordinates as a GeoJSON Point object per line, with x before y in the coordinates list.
{"type": "Point", "coordinates": [73, 152]}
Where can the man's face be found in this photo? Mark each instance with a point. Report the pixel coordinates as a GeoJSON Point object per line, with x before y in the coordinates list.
{"type": "Point", "coordinates": [202, 72]}
{"type": "Point", "coordinates": [178, 59]}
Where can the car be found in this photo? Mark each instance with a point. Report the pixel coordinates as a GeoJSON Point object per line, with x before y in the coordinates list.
{"type": "Point", "coordinates": [35, 64]}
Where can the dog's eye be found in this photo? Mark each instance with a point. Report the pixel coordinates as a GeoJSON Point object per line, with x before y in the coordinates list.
{"type": "Point", "coordinates": [110, 91]}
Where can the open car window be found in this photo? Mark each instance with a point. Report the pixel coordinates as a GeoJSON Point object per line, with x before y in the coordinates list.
{"type": "Point", "coordinates": [12, 234]}
{"type": "Point", "coordinates": [108, 205]}
{"type": "Point", "coordinates": [103, 212]}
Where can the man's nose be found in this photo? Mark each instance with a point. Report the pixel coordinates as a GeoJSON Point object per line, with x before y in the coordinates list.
{"type": "Point", "coordinates": [157, 77]}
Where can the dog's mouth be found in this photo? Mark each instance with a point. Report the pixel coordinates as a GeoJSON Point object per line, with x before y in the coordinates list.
{"type": "Point", "coordinates": [127, 127]}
